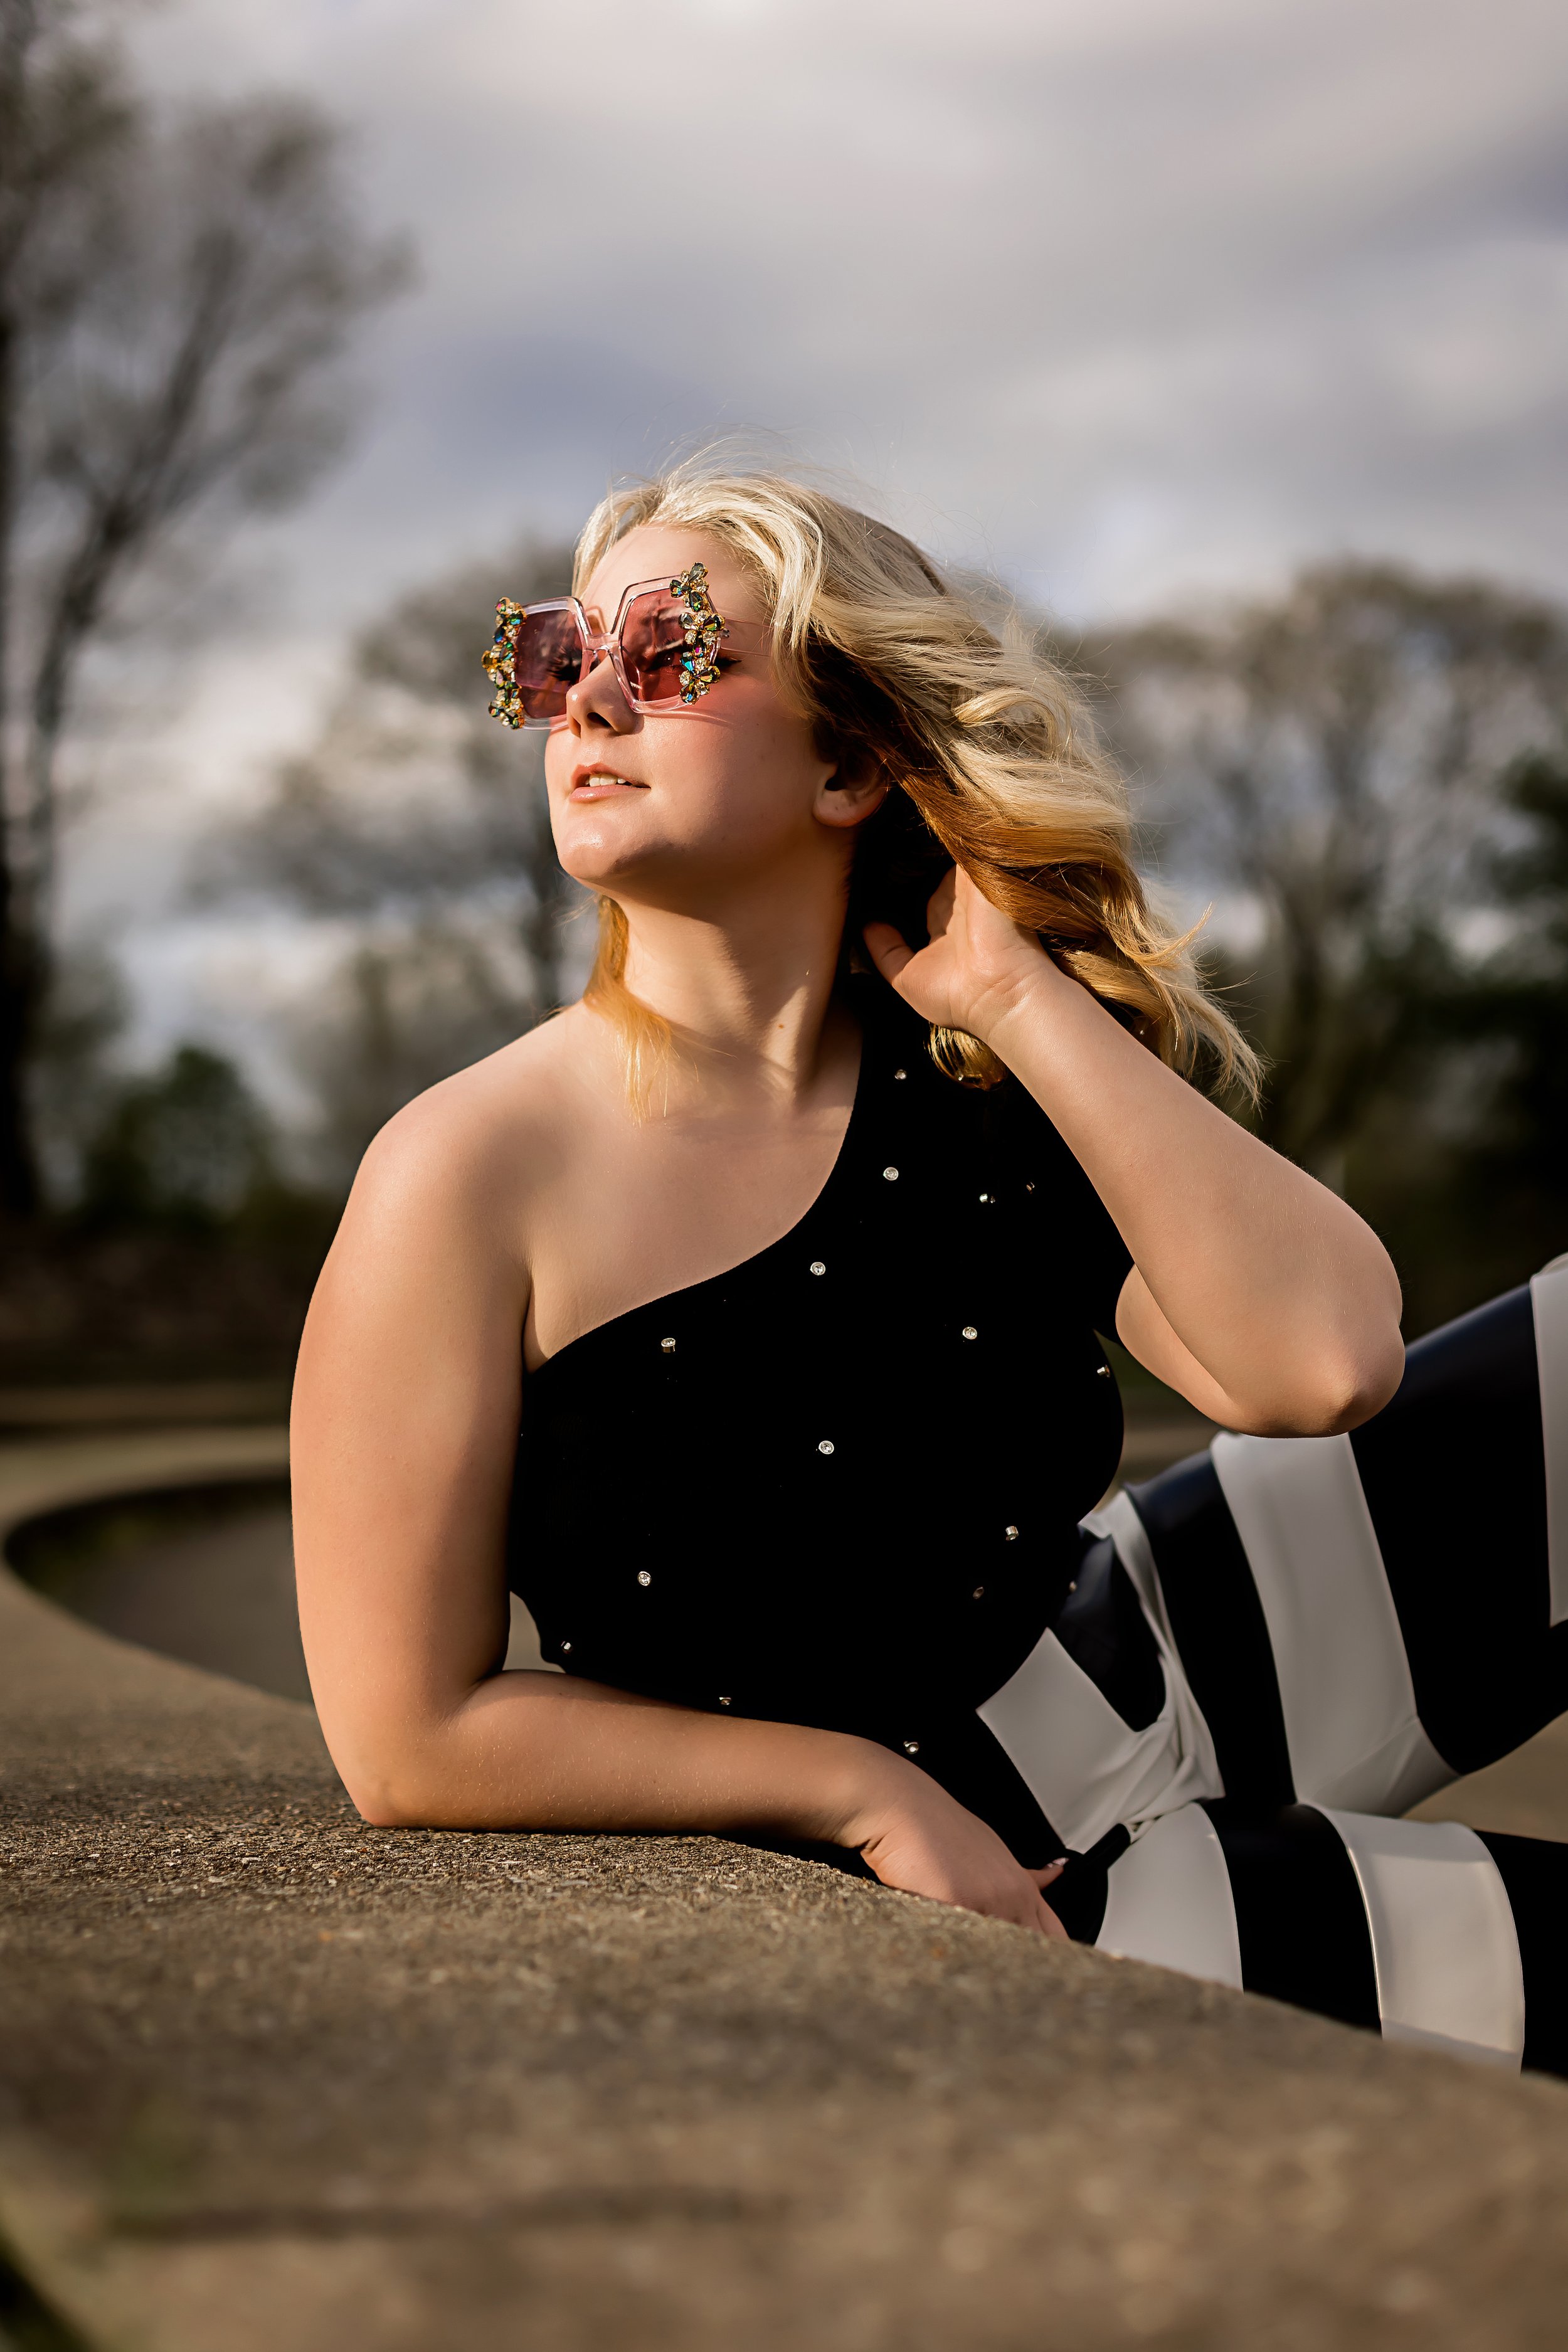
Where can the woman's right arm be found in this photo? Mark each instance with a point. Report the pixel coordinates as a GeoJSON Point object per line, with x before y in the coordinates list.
{"type": "Point", "coordinates": [406, 1404]}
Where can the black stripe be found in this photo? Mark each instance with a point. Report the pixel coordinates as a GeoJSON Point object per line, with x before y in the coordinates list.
{"type": "Point", "coordinates": [1534, 1874]}
{"type": "Point", "coordinates": [1221, 1634]}
{"type": "Point", "coordinates": [1455, 1479]}
{"type": "Point", "coordinates": [1080, 1896]}
{"type": "Point", "coordinates": [1102, 1626]}
{"type": "Point", "coordinates": [1300, 1920]}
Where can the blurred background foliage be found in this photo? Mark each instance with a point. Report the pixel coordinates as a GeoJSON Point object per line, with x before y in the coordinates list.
{"type": "Point", "coordinates": [1365, 774]}
{"type": "Point", "coordinates": [178, 288]}
{"type": "Point", "coordinates": [422, 826]}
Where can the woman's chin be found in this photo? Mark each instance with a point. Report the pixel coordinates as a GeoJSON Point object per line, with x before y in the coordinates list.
{"type": "Point", "coordinates": [599, 841]}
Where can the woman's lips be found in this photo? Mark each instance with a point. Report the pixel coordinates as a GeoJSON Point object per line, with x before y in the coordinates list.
{"type": "Point", "coordinates": [601, 784]}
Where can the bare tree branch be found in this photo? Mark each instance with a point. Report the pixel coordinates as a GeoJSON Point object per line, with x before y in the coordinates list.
{"type": "Point", "coordinates": [173, 300]}
{"type": "Point", "coordinates": [418, 816]}
{"type": "Point", "coordinates": [1333, 758]}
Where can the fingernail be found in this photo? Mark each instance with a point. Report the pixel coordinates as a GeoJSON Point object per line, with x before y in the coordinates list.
{"type": "Point", "coordinates": [1060, 1863]}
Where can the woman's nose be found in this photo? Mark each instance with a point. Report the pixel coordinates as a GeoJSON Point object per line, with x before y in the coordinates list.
{"type": "Point", "coordinates": [596, 702]}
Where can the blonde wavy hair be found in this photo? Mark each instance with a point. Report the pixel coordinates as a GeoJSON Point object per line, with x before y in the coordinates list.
{"type": "Point", "coordinates": [989, 747]}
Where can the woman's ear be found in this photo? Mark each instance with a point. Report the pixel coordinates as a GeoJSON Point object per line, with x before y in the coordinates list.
{"type": "Point", "coordinates": [856, 789]}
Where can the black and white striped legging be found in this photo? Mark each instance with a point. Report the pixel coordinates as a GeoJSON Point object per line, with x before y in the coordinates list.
{"type": "Point", "coordinates": [1360, 1621]}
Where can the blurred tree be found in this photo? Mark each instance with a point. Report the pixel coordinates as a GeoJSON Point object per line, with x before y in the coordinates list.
{"type": "Point", "coordinates": [180, 1252]}
{"type": "Point", "coordinates": [1512, 1171]}
{"type": "Point", "coordinates": [187, 1146]}
{"type": "Point", "coordinates": [172, 299]}
{"type": "Point", "coordinates": [405, 1010]}
{"type": "Point", "coordinates": [1522, 991]}
{"type": "Point", "coordinates": [425, 824]}
{"type": "Point", "coordinates": [73, 1078]}
{"type": "Point", "coordinates": [1330, 762]}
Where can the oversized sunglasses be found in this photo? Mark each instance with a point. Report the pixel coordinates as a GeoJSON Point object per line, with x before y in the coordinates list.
{"type": "Point", "coordinates": [663, 647]}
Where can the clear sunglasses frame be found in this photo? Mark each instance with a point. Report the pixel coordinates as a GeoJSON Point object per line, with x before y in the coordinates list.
{"type": "Point", "coordinates": [696, 649]}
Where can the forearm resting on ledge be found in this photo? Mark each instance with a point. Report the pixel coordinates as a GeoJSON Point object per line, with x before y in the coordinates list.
{"type": "Point", "coordinates": [538, 1751]}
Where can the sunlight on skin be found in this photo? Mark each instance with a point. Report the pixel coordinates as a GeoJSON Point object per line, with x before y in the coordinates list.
{"type": "Point", "coordinates": [726, 821]}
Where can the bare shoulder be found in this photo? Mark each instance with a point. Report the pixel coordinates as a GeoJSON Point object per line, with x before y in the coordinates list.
{"type": "Point", "coordinates": [450, 1181]}
{"type": "Point", "coordinates": [487, 1135]}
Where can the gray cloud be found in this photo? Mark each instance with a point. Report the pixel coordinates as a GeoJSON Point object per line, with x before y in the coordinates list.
{"type": "Point", "coordinates": [1131, 298]}
{"type": "Point", "coordinates": [1156, 292]}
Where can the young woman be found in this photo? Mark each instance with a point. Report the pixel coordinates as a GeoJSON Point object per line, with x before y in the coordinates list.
{"type": "Point", "coordinates": [786, 1250]}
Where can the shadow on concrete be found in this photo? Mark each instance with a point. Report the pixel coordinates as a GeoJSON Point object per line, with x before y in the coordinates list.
{"type": "Point", "coordinates": [27, 2324]}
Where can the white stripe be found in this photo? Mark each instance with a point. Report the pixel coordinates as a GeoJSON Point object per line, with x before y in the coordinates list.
{"type": "Point", "coordinates": [1344, 1681]}
{"type": "Point", "coordinates": [1199, 1775]}
{"type": "Point", "coordinates": [1548, 1303]}
{"type": "Point", "coordinates": [1169, 1901]}
{"type": "Point", "coordinates": [1443, 1940]}
{"type": "Point", "coordinates": [1086, 1767]}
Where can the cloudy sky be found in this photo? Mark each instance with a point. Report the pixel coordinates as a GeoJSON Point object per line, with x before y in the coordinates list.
{"type": "Point", "coordinates": [1135, 300]}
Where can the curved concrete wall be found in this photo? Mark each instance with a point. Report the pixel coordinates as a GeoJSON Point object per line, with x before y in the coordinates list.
{"type": "Point", "coordinates": [269, 2077]}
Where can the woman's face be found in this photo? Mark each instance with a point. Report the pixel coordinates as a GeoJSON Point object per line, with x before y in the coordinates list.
{"type": "Point", "coordinates": [675, 808]}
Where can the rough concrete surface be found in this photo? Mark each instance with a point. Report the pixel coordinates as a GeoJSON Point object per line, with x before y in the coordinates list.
{"type": "Point", "coordinates": [269, 2077]}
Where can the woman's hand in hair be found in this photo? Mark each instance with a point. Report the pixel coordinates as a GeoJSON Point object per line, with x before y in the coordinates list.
{"type": "Point", "coordinates": [1255, 1292]}
{"type": "Point", "coordinates": [978, 967]}
{"type": "Point", "coordinates": [923, 1842]}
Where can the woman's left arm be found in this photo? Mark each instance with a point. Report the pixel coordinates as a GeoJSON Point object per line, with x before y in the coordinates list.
{"type": "Point", "coordinates": [1255, 1292]}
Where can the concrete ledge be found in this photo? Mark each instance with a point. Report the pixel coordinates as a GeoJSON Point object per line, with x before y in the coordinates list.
{"type": "Point", "coordinates": [48, 1474]}
{"type": "Point", "coordinates": [269, 2077]}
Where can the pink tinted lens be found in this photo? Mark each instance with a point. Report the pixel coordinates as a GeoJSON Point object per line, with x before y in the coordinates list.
{"type": "Point", "coordinates": [549, 663]}
{"type": "Point", "coordinates": [652, 640]}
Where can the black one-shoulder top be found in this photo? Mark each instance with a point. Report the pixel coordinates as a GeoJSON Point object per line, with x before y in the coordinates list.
{"type": "Point", "coordinates": [840, 1484]}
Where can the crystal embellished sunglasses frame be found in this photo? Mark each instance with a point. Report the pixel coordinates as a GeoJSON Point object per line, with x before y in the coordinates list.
{"type": "Point", "coordinates": [521, 699]}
